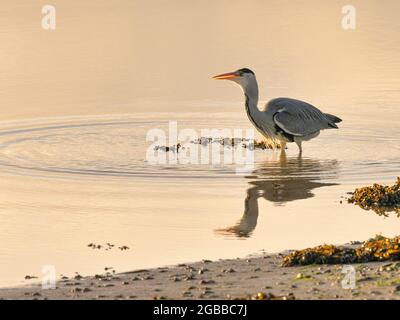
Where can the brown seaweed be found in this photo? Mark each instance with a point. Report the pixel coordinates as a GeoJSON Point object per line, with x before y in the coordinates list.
{"type": "Point", "coordinates": [229, 142]}
{"type": "Point", "coordinates": [381, 199]}
{"type": "Point", "coordinates": [376, 249]}
{"type": "Point", "coordinates": [235, 142]}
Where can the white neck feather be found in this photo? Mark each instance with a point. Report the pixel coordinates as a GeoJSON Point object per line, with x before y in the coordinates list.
{"type": "Point", "coordinates": [250, 90]}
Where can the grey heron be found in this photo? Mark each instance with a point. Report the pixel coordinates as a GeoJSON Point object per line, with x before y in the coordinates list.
{"type": "Point", "coordinates": [283, 120]}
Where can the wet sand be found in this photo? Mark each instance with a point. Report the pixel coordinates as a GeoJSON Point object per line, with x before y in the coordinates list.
{"type": "Point", "coordinates": [225, 279]}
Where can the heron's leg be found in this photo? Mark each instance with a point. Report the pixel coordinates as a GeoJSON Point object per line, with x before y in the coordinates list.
{"type": "Point", "coordinates": [283, 158]}
{"type": "Point", "coordinates": [298, 142]}
{"type": "Point", "coordinates": [283, 149]}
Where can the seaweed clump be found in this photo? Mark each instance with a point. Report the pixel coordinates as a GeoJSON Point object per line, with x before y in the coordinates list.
{"type": "Point", "coordinates": [381, 199]}
{"type": "Point", "coordinates": [264, 144]}
{"type": "Point", "coordinates": [226, 142]}
{"type": "Point", "coordinates": [375, 249]}
{"type": "Point", "coordinates": [379, 249]}
{"type": "Point", "coordinates": [324, 254]}
{"type": "Point", "coordinates": [235, 142]}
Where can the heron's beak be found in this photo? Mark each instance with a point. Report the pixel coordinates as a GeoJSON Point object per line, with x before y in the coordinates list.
{"type": "Point", "coordinates": [226, 76]}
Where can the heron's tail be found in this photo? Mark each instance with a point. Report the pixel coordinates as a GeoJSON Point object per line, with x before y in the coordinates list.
{"type": "Point", "coordinates": [333, 118]}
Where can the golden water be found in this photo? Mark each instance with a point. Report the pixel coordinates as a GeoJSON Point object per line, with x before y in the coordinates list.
{"type": "Point", "coordinates": [77, 102]}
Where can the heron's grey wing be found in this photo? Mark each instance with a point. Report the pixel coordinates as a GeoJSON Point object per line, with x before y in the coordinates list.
{"type": "Point", "coordinates": [297, 117]}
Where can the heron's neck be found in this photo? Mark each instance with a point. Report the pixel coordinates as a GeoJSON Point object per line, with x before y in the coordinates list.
{"type": "Point", "coordinates": [250, 91]}
{"type": "Point", "coordinates": [251, 94]}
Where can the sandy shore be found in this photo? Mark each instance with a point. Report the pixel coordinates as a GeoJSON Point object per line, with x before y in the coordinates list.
{"type": "Point", "coordinates": [225, 279]}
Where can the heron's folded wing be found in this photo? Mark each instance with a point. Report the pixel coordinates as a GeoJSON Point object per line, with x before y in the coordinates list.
{"type": "Point", "coordinates": [301, 122]}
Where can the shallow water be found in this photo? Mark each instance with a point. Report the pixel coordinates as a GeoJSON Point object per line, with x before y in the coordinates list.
{"type": "Point", "coordinates": [78, 102]}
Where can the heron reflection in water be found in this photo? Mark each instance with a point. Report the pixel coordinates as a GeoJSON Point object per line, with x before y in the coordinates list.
{"type": "Point", "coordinates": [292, 179]}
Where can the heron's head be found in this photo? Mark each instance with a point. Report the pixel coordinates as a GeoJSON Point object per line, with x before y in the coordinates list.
{"type": "Point", "coordinates": [243, 77]}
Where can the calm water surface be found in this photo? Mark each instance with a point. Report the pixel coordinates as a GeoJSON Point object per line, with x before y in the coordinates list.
{"type": "Point", "coordinates": [77, 103]}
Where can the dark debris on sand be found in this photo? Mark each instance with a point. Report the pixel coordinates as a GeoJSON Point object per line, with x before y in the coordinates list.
{"type": "Point", "coordinates": [376, 249]}
{"type": "Point", "coordinates": [381, 199]}
{"type": "Point", "coordinates": [264, 296]}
